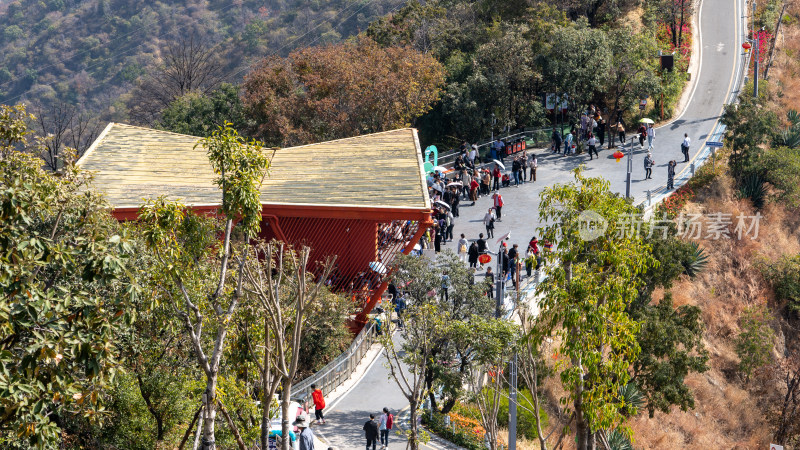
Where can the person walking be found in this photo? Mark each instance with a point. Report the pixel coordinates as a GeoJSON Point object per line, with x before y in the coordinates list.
{"type": "Point", "coordinates": [671, 174]}
{"type": "Point", "coordinates": [534, 166]}
{"type": "Point", "coordinates": [496, 174]}
{"type": "Point", "coordinates": [648, 166]}
{"type": "Point", "coordinates": [592, 143]}
{"type": "Point", "coordinates": [601, 130]}
{"type": "Point", "coordinates": [445, 287]}
{"type": "Point", "coordinates": [651, 135]}
{"type": "Point", "coordinates": [556, 138]}
{"type": "Point", "coordinates": [462, 248]}
{"type": "Point", "coordinates": [523, 162]}
{"type": "Point", "coordinates": [473, 190]}
{"type": "Point", "coordinates": [488, 278]}
{"type": "Point", "coordinates": [387, 421]}
{"type": "Point", "coordinates": [621, 133]}
{"type": "Point", "coordinates": [486, 182]}
{"type": "Point", "coordinates": [473, 255]}
{"type": "Point", "coordinates": [319, 404]}
{"type": "Point", "coordinates": [642, 135]}
{"type": "Point", "coordinates": [488, 222]}
{"type": "Point", "coordinates": [481, 243]}
{"type": "Point", "coordinates": [685, 147]}
{"type": "Point", "coordinates": [568, 143]}
{"type": "Point", "coordinates": [515, 167]}
{"type": "Point", "coordinates": [437, 238]}
{"type": "Point", "coordinates": [450, 220]}
{"type": "Point", "coordinates": [306, 438]}
{"type": "Point", "coordinates": [371, 432]}
{"type": "Point", "coordinates": [498, 205]}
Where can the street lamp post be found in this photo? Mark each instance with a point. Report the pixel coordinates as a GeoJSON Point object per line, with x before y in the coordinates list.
{"type": "Point", "coordinates": [630, 170]}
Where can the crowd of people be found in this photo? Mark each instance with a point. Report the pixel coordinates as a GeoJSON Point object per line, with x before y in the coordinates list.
{"type": "Point", "coordinates": [374, 428]}
{"type": "Point", "coordinates": [592, 131]}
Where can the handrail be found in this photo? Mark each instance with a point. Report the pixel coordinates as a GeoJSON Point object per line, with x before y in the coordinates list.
{"type": "Point", "coordinates": [336, 372]}
{"type": "Point", "coordinates": [539, 135]}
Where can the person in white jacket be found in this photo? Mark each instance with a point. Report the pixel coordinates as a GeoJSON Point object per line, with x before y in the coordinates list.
{"type": "Point", "coordinates": [651, 135]}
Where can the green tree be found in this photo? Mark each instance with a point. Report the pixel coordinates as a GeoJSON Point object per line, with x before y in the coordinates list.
{"type": "Point", "coordinates": [199, 114]}
{"type": "Point", "coordinates": [671, 347]}
{"type": "Point", "coordinates": [755, 342]}
{"type": "Point", "coordinates": [66, 290]}
{"type": "Point", "coordinates": [451, 358]}
{"type": "Point", "coordinates": [589, 285]}
{"type": "Point", "coordinates": [194, 270]}
{"type": "Point", "coordinates": [749, 125]}
{"type": "Point", "coordinates": [581, 75]}
{"type": "Point", "coordinates": [410, 356]}
{"type": "Point", "coordinates": [491, 343]}
{"type": "Point", "coordinates": [632, 74]}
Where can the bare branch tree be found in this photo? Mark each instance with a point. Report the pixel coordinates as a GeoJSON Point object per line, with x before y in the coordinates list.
{"type": "Point", "coordinates": [187, 65]}
{"type": "Point", "coordinates": [64, 127]}
{"type": "Point", "coordinates": [287, 295]}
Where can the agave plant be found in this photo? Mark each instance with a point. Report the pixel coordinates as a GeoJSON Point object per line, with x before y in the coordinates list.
{"type": "Point", "coordinates": [793, 117]}
{"type": "Point", "coordinates": [754, 188]}
{"type": "Point", "coordinates": [632, 397]}
{"type": "Point", "coordinates": [618, 441]}
{"type": "Point", "coordinates": [697, 261]}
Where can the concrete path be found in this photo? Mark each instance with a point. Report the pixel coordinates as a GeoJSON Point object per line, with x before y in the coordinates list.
{"type": "Point", "coordinates": [719, 23]}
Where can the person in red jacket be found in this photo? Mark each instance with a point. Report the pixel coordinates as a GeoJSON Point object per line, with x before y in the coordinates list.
{"type": "Point", "coordinates": [319, 404]}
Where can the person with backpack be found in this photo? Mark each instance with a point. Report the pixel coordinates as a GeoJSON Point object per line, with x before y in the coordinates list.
{"type": "Point", "coordinates": [463, 245]}
{"type": "Point", "coordinates": [387, 421]}
{"type": "Point", "coordinates": [319, 404]}
{"type": "Point", "coordinates": [371, 432]}
{"type": "Point", "coordinates": [685, 147]}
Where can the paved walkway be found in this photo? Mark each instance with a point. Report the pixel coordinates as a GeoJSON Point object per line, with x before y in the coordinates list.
{"type": "Point", "coordinates": [719, 23]}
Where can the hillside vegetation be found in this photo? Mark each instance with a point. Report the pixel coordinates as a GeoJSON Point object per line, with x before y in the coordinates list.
{"type": "Point", "coordinates": [92, 52]}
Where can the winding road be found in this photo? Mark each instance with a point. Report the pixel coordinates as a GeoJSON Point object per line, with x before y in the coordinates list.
{"type": "Point", "coordinates": [717, 80]}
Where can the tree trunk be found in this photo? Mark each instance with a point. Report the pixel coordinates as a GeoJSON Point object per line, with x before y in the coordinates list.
{"type": "Point", "coordinates": [151, 409]}
{"type": "Point", "coordinates": [286, 394]}
{"type": "Point", "coordinates": [683, 22]}
{"type": "Point", "coordinates": [266, 392]}
{"type": "Point", "coordinates": [413, 443]}
{"type": "Point", "coordinates": [209, 413]}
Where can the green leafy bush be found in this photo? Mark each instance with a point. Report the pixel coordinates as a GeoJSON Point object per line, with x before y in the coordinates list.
{"type": "Point", "coordinates": [781, 168]}
{"type": "Point", "coordinates": [754, 343]}
{"type": "Point", "coordinates": [526, 422]}
{"type": "Point", "coordinates": [785, 278]}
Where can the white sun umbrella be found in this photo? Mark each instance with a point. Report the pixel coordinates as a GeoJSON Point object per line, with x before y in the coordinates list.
{"type": "Point", "coordinates": [439, 169]}
{"type": "Point", "coordinates": [442, 204]}
{"type": "Point", "coordinates": [455, 183]}
{"type": "Point", "coordinates": [502, 166]}
{"type": "Point", "coordinates": [437, 187]}
{"type": "Point", "coordinates": [376, 266]}
{"type": "Point", "coordinates": [646, 120]}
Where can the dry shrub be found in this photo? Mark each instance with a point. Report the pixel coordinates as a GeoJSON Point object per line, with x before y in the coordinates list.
{"type": "Point", "coordinates": [727, 414]}
{"type": "Point", "coordinates": [786, 67]}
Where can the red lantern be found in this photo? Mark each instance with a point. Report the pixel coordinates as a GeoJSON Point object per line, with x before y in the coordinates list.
{"type": "Point", "coordinates": [618, 155]}
{"type": "Point", "coordinates": [484, 258]}
{"type": "Point", "coordinates": [746, 46]}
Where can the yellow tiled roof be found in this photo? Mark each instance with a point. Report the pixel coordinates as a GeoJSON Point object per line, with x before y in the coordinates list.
{"type": "Point", "coordinates": [375, 170]}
